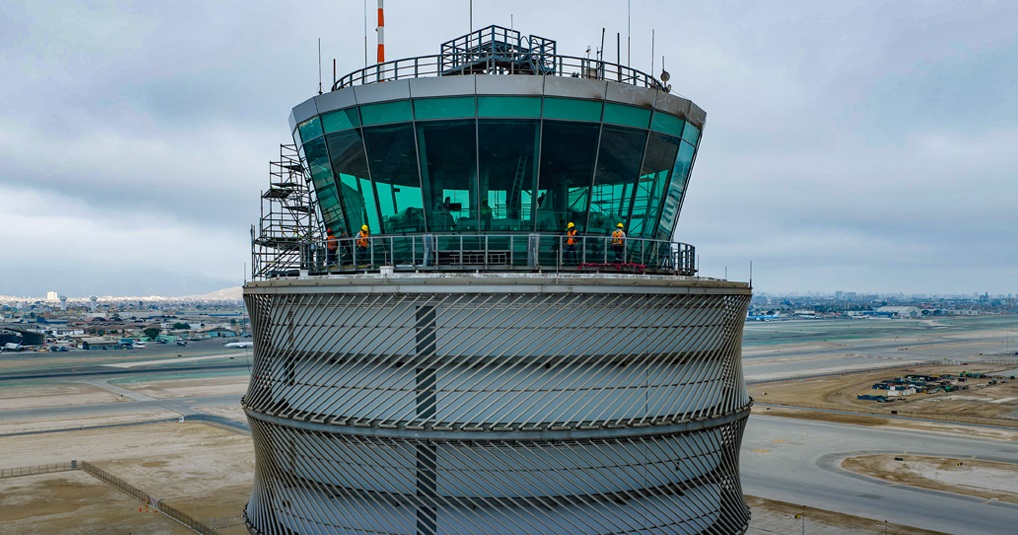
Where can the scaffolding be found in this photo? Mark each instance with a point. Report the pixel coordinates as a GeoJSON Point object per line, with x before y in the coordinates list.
{"type": "Point", "coordinates": [289, 221]}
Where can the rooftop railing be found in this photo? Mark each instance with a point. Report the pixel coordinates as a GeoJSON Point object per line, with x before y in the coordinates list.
{"type": "Point", "coordinates": [472, 252]}
{"type": "Point", "coordinates": [488, 62]}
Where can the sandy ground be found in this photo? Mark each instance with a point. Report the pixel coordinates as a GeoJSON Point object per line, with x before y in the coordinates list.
{"type": "Point", "coordinates": [772, 517]}
{"type": "Point", "coordinates": [839, 392]}
{"type": "Point", "coordinates": [202, 470]}
{"type": "Point", "coordinates": [899, 423]}
{"type": "Point", "coordinates": [983, 479]}
{"type": "Point", "coordinates": [177, 388]}
{"type": "Point", "coordinates": [53, 395]}
{"type": "Point", "coordinates": [75, 503]}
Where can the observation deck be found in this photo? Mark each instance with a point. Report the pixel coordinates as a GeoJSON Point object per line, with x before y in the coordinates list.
{"type": "Point", "coordinates": [477, 158]}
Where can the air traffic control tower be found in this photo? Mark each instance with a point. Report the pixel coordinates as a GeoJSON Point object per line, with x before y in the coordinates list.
{"type": "Point", "coordinates": [469, 367]}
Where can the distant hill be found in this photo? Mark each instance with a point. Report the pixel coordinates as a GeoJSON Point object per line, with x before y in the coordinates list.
{"type": "Point", "coordinates": [234, 293]}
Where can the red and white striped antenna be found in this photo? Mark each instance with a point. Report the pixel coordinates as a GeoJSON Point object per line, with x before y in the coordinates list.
{"type": "Point", "coordinates": [381, 32]}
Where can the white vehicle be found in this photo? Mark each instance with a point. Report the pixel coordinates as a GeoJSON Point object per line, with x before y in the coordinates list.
{"type": "Point", "coordinates": [239, 345]}
{"type": "Point", "coordinates": [11, 346]}
{"type": "Point", "coordinates": [139, 345]}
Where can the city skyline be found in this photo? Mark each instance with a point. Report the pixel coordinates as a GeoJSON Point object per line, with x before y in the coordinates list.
{"type": "Point", "coordinates": [862, 146]}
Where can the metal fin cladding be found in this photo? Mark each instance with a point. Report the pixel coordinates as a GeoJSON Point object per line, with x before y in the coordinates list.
{"type": "Point", "coordinates": [384, 410]}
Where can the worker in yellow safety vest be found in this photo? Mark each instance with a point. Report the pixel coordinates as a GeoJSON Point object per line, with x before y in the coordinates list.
{"type": "Point", "coordinates": [619, 242]}
{"type": "Point", "coordinates": [362, 242]}
{"type": "Point", "coordinates": [571, 241]}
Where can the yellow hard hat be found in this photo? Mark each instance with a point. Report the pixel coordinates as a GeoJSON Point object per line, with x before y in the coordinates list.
{"type": "Point", "coordinates": [570, 225]}
{"type": "Point", "coordinates": [620, 225]}
{"type": "Point", "coordinates": [364, 227]}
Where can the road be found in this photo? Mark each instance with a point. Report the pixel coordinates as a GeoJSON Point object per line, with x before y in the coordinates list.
{"type": "Point", "coordinates": [797, 461]}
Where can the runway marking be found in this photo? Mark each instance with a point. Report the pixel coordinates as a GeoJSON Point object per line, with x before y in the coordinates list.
{"type": "Point", "coordinates": [759, 450]}
{"type": "Point", "coordinates": [1003, 400]}
{"type": "Point", "coordinates": [167, 361]}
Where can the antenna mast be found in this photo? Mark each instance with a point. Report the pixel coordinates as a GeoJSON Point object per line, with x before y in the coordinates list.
{"type": "Point", "coordinates": [381, 32]}
{"type": "Point", "coordinates": [365, 34]}
{"type": "Point", "coordinates": [319, 65]}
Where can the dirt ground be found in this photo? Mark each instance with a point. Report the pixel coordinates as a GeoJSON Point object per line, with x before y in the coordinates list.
{"type": "Point", "coordinates": [772, 517]}
{"type": "Point", "coordinates": [75, 503]}
{"type": "Point", "coordinates": [203, 470]}
{"type": "Point", "coordinates": [53, 395]}
{"type": "Point", "coordinates": [179, 388]}
{"type": "Point", "coordinates": [899, 423]}
{"type": "Point", "coordinates": [998, 401]}
{"type": "Point", "coordinates": [982, 479]}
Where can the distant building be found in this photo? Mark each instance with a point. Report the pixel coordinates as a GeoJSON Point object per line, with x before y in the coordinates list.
{"type": "Point", "coordinates": [52, 297]}
{"type": "Point", "coordinates": [99, 344]}
{"type": "Point", "coordinates": [217, 332]}
{"type": "Point", "coordinates": [902, 311]}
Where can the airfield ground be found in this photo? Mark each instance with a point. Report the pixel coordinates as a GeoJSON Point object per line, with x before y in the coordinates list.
{"type": "Point", "coordinates": [206, 469]}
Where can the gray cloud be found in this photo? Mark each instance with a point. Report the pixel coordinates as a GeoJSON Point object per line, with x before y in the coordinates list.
{"type": "Point", "coordinates": [855, 146]}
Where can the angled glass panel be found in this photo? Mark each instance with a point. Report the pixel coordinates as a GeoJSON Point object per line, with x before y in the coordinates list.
{"type": "Point", "coordinates": [310, 129]}
{"type": "Point", "coordinates": [571, 109]}
{"type": "Point", "coordinates": [567, 167]}
{"type": "Point", "coordinates": [691, 134]}
{"type": "Point", "coordinates": [444, 108]}
{"type": "Point", "coordinates": [621, 114]}
{"type": "Point", "coordinates": [666, 124]}
{"type": "Point", "coordinates": [399, 111]}
{"type": "Point", "coordinates": [321, 175]}
{"type": "Point", "coordinates": [392, 157]}
{"type": "Point", "coordinates": [338, 121]}
{"type": "Point", "coordinates": [509, 107]}
{"type": "Point", "coordinates": [355, 191]}
{"type": "Point", "coordinates": [657, 168]}
{"type": "Point", "coordinates": [448, 156]}
{"type": "Point", "coordinates": [616, 178]}
{"type": "Point", "coordinates": [676, 188]}
{"type": "Point", "coordinates": [508, 165]}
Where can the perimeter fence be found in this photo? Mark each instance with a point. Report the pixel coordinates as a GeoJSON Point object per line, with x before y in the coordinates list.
{"type": "Point", "coordinates": [117, 483]}
{"type": "Point", "coordinates": [38, 469]}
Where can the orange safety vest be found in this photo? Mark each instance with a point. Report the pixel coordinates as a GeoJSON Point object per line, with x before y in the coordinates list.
{"type": "Point", "coordinates": [362, 239]}
{"type": "Point", "coordinates": [331, 242]}
{"type": "Point", "coordinates": [617, 237]}
{"type": "Point", "coordinates": [572, 236]}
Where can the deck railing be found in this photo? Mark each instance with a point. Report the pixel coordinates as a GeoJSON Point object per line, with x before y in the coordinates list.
{"type": "Point", "coordinates": [532, 252]}
{"type": "Point", "coordinates": [482, 63]}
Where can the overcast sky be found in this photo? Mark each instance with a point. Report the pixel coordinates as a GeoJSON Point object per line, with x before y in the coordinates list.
{"type": "Point", "coordinates": [849, 145]}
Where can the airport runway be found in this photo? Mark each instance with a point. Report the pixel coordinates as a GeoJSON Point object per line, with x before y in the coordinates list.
{"type": "Point", "coordinates": [797, 461]}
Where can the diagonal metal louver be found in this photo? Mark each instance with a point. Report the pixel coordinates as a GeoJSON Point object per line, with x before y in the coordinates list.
{"type": "Point", "coordinates": [497, 403]}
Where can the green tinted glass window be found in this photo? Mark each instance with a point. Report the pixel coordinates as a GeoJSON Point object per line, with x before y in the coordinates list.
{"type": "Point", "coordinates": [310, 129]}
{"type": "Point", "coordinates": [572, 109]}
{"type": "Point", "coordinates": [387, 112]}
{"type": "Point", "coordinates": [338, 121]}
{"type": "Point", "coordinates": [444, 108]}
{"type": "Point", "coordinates": [668, 124]}
{"type": "Point", "coordinates": [676, 189]}
{"type": "Point", "coordinates": [509, 107]}
{"type": "Point", "coordinates": [691, 134]}
{"type": "Point", "coordinates": [626, 115]}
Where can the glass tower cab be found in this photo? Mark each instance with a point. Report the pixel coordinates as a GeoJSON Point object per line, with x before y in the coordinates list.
{"type": "Point", "coordinates": [482, 155]}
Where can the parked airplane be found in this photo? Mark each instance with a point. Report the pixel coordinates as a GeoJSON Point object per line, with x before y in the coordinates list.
{"type": "Point", "coordinates": [239, 345]}
{"type": "Point", "coordinates": [11, 346]}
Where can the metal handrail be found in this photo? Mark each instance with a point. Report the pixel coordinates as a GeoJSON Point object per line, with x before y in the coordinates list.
{"type": "Point", "coordinates": [534, 252]}
{"type": "Point", "coordinates": [483, 62]}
